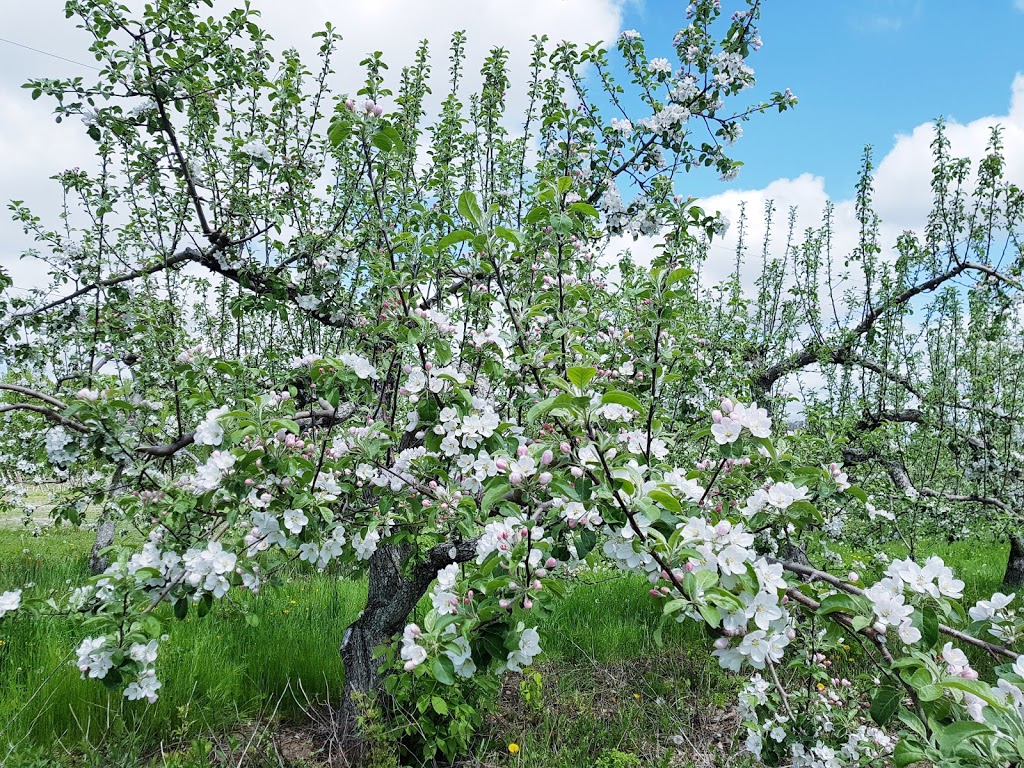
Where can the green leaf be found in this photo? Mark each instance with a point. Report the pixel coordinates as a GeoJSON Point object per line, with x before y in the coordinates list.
{"type": "Point", "coordinates": [838, 602]}
{"type": "Point", "coordinates": [858, 493]}
{"type": "Point", "coordinates": [622, 398]}
{"type": "Point", "coordinates": [982, 690]}
{"type": "Point", "coordinates": [929, 627]}
{"type": "Point", "coordinates": [710, 615]}
{"type": "Point", "coordinates": [494, 494]}
{"type": "Point", "coordinates": [586, 540]}
{"type": "Point", "coordinates": [907, 753]}
{"type": "Point", "coordinates": [885, 703]}
{"type": "Point", "coordinates": [511, 235]}
{"type": "Point", "coordinates": [453, 238]}
{"type": "Point", "coordinates": [667, 500]}
{"type": "Point", "coordinates": [285, 424]}
{"type": "Point", "coordinates": [581, 376]}
{"type": "Point", "coordinates": [676, 275]}
{"type": "Point", "coordinates": [586, 209]}
{"type": "Point", "coordinates": [443, 669]}
{"type": "Point", "coordinates": [439, 705]}
{"type": "Point", "coordinates": [955, 733]}
{"type": "Point", "coordinates": [929, 692]}
{"type": "Point", "coordinates": [541, 408]}
{"type": "Point", "coordinates": [470, 208]}
{"type": "Point", "coordinates": [339, 131]}
{"type": "Point", "coordinates": [181, 608]}
{"type": "Point", "coordinates": [205, 604]}
{"type": "Point", "coordinates": [382, 142]}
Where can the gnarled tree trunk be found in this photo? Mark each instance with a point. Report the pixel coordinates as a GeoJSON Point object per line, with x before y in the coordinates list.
{"type": "Point", "coordinates": [397, 581]}
{"type": "Point", "coordinates": [1014, 576]}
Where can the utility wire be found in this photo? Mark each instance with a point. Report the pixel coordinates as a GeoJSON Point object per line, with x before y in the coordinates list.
{"type": "Point", "coordinates": [47, 53]}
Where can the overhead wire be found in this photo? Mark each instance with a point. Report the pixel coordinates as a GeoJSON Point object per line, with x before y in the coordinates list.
{"type": "Point", "coordinates": [47, 53]}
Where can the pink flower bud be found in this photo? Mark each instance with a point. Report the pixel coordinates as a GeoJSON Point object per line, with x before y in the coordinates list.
{"type": "Point", "coordinates": [501, 464]}
{"type": "Point", "coordinates": [564, 447]}
{"type": "Point", "coordinates": [550, 562]}
{"type": "Point", "coordinates": [727, 405]}
{"type": "Point", "coordinates": [503, 603]}
{"type": "Point", "coordinates": [527, 603]}
{"type": "Point", "coordinates": [249, 481]}
{"type": "Point", "coordinates": [722, 643]}
{"type": "Point", "coordinates": [350, 104]}
{"type": "Point", "coordinates": [547, 457]}
{"type": "Point", "coordinates": [515, 478]}
{"type": "Point", "coordinates": [576, 471]}
{"type": "Point", "coordinates": [378, 110]}
{"type": "Point", "coordinates": [654, 593]}
{"type": "Point", "coordinates": [544, 478]}
{"type": "Point", "coordinates": [368, 105]}
{"type": "Point", "coordinates": [537, 585]}
{"type": "Point", "coordinates": [716, 416]}
{"type": "Point", "coordinates": [522, 451]}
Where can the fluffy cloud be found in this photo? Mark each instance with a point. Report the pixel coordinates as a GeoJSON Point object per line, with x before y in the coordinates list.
{"type": "Point", "coordinates": [33, 148]}
{"type": "Point", "coordinates": [902, 193]}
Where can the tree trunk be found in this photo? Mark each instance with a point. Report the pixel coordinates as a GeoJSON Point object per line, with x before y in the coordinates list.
{"type": "Point", "coordinates": [395, 587]}
{"type": "Point", "coordinates": [106, 528]}
{"type": "Point", "coordinates": [1014, 576]}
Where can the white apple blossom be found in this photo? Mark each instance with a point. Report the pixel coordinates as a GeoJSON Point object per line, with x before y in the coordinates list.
{"type": "Point", "coordinates": [9, 602]}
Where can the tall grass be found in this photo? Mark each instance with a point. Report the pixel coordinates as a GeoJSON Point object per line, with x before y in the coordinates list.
{"type": "Point", "coordinates": [218, 671]}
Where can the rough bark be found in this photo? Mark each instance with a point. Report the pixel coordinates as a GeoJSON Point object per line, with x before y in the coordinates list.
{"type": "Point", "coordinates": [105, 531]}
{"type": "Point", "coordinates": [106, 528]}
{"type": "Point", "coordinates": [1014, 576]}
{"type": "Point", "coordinates": [397, 581]}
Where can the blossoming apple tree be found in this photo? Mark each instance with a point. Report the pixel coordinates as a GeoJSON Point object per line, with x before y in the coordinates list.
{"type": "Point", "coordinates": [288, 325]}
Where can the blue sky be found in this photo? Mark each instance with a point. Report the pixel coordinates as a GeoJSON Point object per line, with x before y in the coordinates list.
{"type": "Point", "coordinates": [864, 72]}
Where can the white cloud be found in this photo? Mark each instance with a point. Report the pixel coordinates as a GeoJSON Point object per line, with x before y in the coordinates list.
{"type": "Point", "coordinates": [33, 148]}
{"type": "Point", "coordinates": [902, 191]}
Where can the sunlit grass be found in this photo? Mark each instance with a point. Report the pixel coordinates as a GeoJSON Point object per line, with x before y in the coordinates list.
{"type": "Point", "coordinates": [218, 671]}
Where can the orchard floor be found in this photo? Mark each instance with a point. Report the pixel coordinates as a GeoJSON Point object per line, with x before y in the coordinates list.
{"type": "Point", "coordinates": [234, 695]}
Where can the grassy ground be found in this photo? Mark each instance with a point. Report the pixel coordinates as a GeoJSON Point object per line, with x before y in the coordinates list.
{"type": "Point", "coordinates": [607, 695]}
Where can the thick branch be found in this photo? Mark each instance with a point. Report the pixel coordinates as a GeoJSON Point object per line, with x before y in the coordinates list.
{"type": "Point", "coordinates": [179, 258]}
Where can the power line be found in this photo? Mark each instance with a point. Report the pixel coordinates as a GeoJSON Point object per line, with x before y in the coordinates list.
{"type": "Point", "coordinates": [47, 53]}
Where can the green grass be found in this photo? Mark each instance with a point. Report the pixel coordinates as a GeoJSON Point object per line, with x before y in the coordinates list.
{"type": "Point", "coordinates": [607, 688]}
{"type": "Point", "coordinates": [216, 671]}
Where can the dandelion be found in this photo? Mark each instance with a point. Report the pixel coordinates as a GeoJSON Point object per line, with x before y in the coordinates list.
{"type": "Point", "coordinates": [513, 748]}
